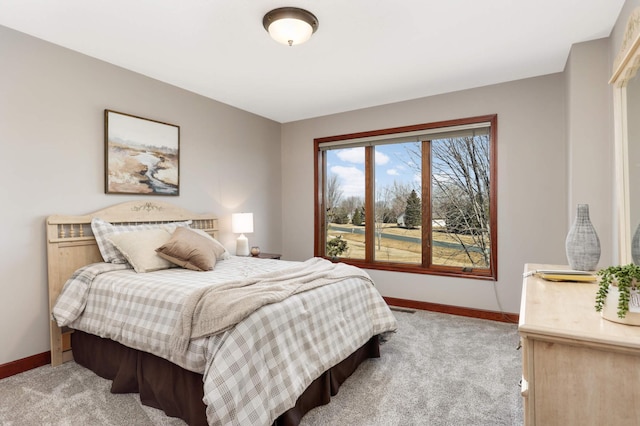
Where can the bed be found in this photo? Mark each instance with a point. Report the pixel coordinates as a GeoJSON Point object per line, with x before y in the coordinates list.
{"type": "Point", "coordinates": [252, 341]}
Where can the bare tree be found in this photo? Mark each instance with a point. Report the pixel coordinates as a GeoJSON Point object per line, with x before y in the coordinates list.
{"type": "Point", "coordinates": [460, 190]}
{"type": "Point", "coordinates": [350, 204]}
{"type": "Point", "coordinates": [400, 192]}
{"type": "Point", "coordinates": [461, 174]}
{"type": "Point", "coordinates": [333, 194]}
{"type": "Point", "coordinates": [380, 206]}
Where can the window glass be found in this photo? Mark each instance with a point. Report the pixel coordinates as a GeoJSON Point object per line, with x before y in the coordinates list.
{"type": "Point", "coordinates": [460, 202]}
{"type": "Point", "coordinates": [398, 206]}
{"type": "Point", "coordinates": [344, 203]}
{"type": "Point", "coordinates": [418, 199]}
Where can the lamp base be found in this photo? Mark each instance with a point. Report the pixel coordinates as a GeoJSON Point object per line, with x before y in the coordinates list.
{"type": "Point", "coordinates": [242, 246]}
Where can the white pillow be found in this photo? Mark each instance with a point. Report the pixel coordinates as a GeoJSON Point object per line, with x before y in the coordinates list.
{"type": "Point", "coordinates": [101, 229]}
{"type": "Point", "coordinates": [139, 248]}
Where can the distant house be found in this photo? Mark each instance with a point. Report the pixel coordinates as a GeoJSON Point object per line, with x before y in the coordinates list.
{"type": "Point", "coordinates": [435, 223]}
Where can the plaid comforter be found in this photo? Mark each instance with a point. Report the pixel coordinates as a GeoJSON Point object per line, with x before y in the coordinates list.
{"type": "Point", "coordinates": [254, 371]}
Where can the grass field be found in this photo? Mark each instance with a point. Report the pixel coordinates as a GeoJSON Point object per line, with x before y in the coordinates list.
{"type": "Point", "coordinates": [405, 251]}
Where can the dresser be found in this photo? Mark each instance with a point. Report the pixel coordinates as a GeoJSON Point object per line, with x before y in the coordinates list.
{"type": "Point", "coordinates": [577, 368]}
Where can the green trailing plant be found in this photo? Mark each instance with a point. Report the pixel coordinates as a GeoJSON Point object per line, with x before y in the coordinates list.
{"type": "Point", "coordinates": [336, 246]}
{"type": "Point", "coordinates": [626, 278]}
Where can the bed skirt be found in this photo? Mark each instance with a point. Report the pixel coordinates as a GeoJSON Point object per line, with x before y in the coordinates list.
{"type": "Point", "coordinates": [178, 392]}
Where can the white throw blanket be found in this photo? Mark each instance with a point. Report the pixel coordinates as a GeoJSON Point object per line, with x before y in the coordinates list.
{"type": "Point", "coordinates": [214, 309]}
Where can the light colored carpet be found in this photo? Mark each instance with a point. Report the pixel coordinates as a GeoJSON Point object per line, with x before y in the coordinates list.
{"type": "Point", "coordinates": [436, 370]}
{"type": "Point", "coordinates": [71, 395]}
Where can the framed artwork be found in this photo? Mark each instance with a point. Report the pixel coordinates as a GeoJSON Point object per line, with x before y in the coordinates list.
{"type": "Point", "coordinates": [142, 156]}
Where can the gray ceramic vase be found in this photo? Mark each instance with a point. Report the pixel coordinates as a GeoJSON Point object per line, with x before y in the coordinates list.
{"type": "Point", "coordinates": [583, 244]}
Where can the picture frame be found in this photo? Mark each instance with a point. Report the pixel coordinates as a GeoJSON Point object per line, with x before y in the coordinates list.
{"type": "Point", "coordinates": [142, 156]}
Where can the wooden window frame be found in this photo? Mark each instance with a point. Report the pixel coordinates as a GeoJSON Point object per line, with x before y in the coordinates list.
{"type": "Point", "coordinates": [426, 267]}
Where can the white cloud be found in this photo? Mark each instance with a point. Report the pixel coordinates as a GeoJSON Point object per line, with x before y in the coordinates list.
{"type": "Point", "coordinates": [393, 172]}
{"type": "Point", "coordinates": [352, 155]}
{"type": "Point", "coordinates": [356, 156]}
{"type": "Point", "coordinates": [351, 180]}
{"type": "Point", "coordinates": [381, 158]}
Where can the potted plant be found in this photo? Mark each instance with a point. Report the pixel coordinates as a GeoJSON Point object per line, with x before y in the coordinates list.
{"type": "Point", "coordinates": [618, 284]}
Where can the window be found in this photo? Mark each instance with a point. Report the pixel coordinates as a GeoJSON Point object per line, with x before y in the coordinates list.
{"type": "Point", "coordinates": [418, 199]}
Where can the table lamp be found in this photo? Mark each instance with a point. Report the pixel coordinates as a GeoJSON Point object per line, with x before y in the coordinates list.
{"type": "Point", "coordinates": [242, 223]}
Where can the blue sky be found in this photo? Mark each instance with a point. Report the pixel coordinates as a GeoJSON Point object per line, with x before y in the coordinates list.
{"type": "Point", "coordinates": [392, 163]}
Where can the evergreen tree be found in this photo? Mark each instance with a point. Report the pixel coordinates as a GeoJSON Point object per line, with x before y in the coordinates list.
{"type": "Point", "coordinates": [340, 216]}
{"type": "Point", "coordinates": [413, 213]}
{"type": "Point", "coordinates": [357, 217]}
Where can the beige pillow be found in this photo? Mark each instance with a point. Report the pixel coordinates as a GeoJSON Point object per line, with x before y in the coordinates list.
{"type": "Point", "coordinates": [221, 252]}
{"type": "Point", "coordinates": [139, 248]}
{"type": "Point", "coordinates": [102, 229]}
{"type": "Point", "coordinates": [191, 249]}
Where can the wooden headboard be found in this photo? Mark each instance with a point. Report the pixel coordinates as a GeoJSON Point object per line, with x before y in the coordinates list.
{"type": "Point", "coordinates": [71, 245]}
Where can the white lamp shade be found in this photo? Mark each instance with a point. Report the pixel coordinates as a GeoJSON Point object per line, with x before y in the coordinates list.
{"type": "Point", "coordinates": [242, 223]}
{"type": "Point", "coordinates": [290, 31]}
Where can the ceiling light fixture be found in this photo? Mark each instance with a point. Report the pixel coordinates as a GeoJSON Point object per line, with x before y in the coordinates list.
{"type": "Point", "coordinates": [290, 25]}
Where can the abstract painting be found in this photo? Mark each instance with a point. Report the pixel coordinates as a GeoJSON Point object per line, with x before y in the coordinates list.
{"type": "Point", "coordinates": [142, 156]}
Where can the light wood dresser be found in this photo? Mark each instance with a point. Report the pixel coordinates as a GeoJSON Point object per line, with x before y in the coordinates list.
{"type": "Point", "coordinates": [577, 368]}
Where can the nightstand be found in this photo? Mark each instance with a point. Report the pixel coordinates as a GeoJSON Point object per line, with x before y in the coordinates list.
{"type": "Point", "coordinates": [268, 256]}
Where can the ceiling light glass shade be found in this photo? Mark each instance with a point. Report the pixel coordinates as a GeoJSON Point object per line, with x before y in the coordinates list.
{"type": "Point", "coordinates": [290, 25]}
{"type": "Point", "coordinates": [290, 31]}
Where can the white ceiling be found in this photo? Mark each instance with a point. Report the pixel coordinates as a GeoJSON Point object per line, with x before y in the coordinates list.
{"type": "Point", "coordinates": [365, 52]}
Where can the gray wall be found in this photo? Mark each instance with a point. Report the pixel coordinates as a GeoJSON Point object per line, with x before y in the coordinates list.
{"type": "Point", "coordinates": [555, 150]}
{"type": "Point", "coordinates": [590, 143]}
{"type": "Point", "coordinates": [51, 133]}
{"type": "Point", "coordinates": [532, 183]}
